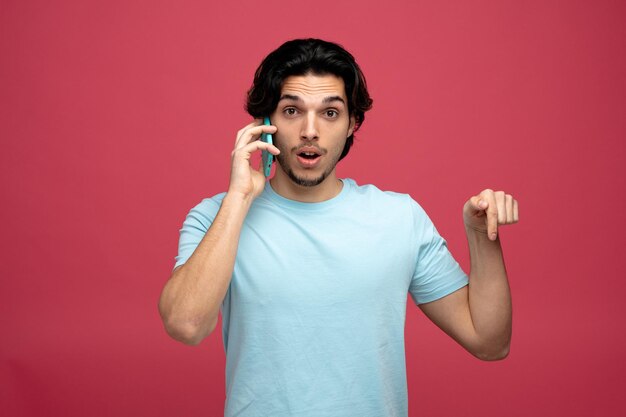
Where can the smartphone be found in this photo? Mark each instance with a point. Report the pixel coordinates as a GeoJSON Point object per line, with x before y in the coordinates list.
{"type": "Point", "coordinates": [266, 157]}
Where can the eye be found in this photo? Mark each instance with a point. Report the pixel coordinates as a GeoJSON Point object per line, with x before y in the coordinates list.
{"type": "Point", "coordinates": [289, 111]}
{"type": "Point", "coordinates": [331, 114]}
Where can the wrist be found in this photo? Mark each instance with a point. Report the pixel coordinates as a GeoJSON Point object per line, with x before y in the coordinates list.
{"type": "Point", "coordinates": [238, 199]}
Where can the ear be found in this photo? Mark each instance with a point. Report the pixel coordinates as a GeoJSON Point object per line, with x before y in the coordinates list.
{"type": "Point", "coordinates": [351, 126]}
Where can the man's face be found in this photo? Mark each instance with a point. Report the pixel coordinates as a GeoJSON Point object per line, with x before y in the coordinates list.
{"type": "Point", "coordinates": [313, 124]}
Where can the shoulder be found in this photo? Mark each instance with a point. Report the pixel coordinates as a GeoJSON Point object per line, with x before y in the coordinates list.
{"type": "Point", "coordinates": [373, 194]}
{"type": "Point", "coordinates": [391, 203]}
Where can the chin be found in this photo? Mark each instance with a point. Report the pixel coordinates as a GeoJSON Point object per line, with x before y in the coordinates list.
{"type": "Point", "coordinates": [310, 179]}
{"type": "Point", "coordinates": [306, 182]}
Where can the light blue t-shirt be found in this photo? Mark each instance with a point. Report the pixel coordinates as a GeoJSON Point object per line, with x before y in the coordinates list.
{"type": "Point", "coordinates": [313, 320]}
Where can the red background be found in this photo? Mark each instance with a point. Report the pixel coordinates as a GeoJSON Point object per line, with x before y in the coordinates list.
{"type": "Point", "coordinates": [118, 117]}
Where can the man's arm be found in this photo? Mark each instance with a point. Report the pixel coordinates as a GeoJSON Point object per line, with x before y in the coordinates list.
{"type": "Point", "coordinates": [191, 299]}
{"type": "Point", "coordinates": [479, 316]}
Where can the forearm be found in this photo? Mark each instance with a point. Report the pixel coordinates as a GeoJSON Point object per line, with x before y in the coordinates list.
{"type": "Point", "coordinates": [191, 299]}
{"type": "Point", "coordinates": [489, 294]}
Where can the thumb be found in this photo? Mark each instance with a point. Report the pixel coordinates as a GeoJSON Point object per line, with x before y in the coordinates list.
{"type": "Point", "coordinates": [478, 204]}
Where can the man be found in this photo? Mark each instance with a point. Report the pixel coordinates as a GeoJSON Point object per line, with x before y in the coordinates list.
{"type": "Point", "coordinates": [311, 272]}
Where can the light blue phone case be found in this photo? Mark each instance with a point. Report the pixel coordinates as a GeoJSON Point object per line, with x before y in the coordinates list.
{"type": "Point", "coordinates": [266, 157]}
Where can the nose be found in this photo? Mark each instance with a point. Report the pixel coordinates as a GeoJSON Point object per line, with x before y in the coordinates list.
{"type": "Point", "coordinates": [309, 127]}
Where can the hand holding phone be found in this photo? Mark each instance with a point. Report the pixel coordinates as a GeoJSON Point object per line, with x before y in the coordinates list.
{"type": "Point", "coordinates": [266, 157]}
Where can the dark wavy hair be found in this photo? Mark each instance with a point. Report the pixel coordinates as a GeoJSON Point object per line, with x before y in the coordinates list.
{"type": "Point", "coordinates": [300, 57]}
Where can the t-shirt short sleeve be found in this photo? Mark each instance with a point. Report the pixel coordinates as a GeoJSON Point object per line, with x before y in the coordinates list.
{"type": "Point", "coordinates": [437, 273]}
{"type": "Point", "coordinates": [195, 227]}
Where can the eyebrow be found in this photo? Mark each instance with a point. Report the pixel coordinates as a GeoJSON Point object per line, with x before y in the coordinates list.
{"type": "Point", "coordinates": [326, 100]}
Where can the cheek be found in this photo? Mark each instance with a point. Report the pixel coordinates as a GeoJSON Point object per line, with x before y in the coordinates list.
{"type": "Point", "coordinates": [283, 133]}
{"type": "Point", "coordinates": [282, 141]}
{"type": "Point", "coordinates": [339, 137]}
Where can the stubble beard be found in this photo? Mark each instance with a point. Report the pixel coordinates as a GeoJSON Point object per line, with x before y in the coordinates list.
{"type": "Point", "coordinates": [305, 182]}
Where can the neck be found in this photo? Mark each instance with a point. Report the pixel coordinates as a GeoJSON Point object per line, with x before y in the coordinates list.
{"type": "Point", "coordinates": [285, 187]}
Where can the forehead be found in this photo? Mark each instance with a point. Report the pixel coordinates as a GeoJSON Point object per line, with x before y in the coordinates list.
{"type": "Point", "coordinates": [314, 86]}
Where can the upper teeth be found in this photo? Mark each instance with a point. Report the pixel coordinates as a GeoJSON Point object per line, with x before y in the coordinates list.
{"type": "Point", "coordinates": [309, 153]}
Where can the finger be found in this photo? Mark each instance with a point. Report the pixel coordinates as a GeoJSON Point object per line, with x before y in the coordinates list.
{"type": "Point", "coordinates": [246, 151]}
{"type": "Point", "coordinates": [492, 213]}
{"type": "Point", "coordinates": [253, 133]}
{"type": "Point", "coordinates": [243, 133]}
{"type": "Point", "coordinates": [246, 127]}
{"type": "Point", "coordinates": [477, 203]}
{"type": "Point", "coordinates": [501, 205]}
{"type": "Point", "coordinates": [508, 202]}
{"type": "Point", "coordinates": [515, 211]}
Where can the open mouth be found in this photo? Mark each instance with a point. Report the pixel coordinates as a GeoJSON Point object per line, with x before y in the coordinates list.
{"type": "Point", "coordinates": [308, 157]}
